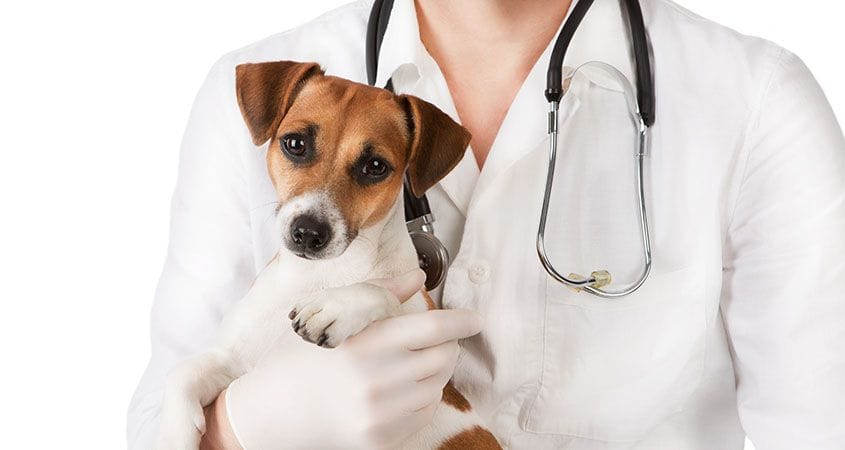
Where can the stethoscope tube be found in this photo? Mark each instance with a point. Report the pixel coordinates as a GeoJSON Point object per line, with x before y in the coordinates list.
{"type": "Point", "coordinates": [599, 278]}
{"type": "Point", "coordinates": [594, 283]}
{"type": "Point", "coordinates": [645, 82]}
{"type": "Point", "coordinates": [376, 26]}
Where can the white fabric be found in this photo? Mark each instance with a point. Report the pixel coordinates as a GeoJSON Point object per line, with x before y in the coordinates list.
{"type": "Point", "coordinates": [740, 327]}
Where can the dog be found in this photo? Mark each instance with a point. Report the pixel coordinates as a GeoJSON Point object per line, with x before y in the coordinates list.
{"type": "Point", "coordinates": [338, 154]}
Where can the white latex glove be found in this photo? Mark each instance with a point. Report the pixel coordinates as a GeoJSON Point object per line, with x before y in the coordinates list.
{"type": "Point", "coordinates": [373, 391]}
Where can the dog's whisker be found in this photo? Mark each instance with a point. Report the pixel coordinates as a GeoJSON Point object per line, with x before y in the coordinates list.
{"type": "Point", "coordinates": [276, 204]}
{"type": "Point", "coordinates": [369, 243]}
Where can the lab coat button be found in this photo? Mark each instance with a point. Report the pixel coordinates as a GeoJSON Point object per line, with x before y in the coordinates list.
{"type": "Point", "coordinates": [479, 272]}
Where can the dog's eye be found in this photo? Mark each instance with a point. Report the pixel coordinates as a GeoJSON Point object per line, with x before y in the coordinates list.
{"type": "Point", "coordinates": [295, 144]}
{"type": "Point", "coordinates": [369, 168]}
{"type": "Point", "coordinates": [375, 168]}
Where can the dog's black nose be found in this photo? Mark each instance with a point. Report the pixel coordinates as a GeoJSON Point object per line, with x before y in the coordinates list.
{"type": "Point", "coordinates": [310, 234]}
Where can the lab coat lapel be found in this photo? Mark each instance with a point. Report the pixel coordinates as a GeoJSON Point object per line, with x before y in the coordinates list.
{"type": "Point", "coordinates": [460, 183]}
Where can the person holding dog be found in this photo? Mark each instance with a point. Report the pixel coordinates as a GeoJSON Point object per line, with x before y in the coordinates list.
{"type": "Point", "coordinates": [737, 332]}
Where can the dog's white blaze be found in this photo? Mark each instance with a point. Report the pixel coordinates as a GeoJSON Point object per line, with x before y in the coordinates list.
{"type": "Point", "coordinates": [320, 205]}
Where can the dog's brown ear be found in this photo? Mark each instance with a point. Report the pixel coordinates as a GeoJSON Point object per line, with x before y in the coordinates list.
{"type": "Point", "coordinates": [266, 91]}
{"type": "Point", "coordinates": [437, 143]}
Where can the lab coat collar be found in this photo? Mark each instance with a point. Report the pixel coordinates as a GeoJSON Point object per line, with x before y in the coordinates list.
{"type": "Point", "coordinates": [402, 52]}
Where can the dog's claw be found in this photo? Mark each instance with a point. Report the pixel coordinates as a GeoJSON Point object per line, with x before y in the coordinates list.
{"type": "Point", "coordinates": [292, 314]}
{"type": "Point", "coordinates": [302, 331]}
{"type": "Point", "coordinates": [323, 338]}
{"type": "Point", "coordinates": [296, 326]}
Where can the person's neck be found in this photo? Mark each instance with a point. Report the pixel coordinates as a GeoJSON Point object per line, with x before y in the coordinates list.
{"type": "Point", "coordinates": [488, 46]}
{"type": "Point", "coordinates": [481, 23]}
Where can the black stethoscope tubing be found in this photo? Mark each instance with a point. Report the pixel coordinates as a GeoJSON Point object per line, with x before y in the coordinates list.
{"type": "Point", "coordinates": [645, 84]}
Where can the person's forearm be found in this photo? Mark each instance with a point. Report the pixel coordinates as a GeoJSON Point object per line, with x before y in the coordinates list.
{"type": "Point", "coordinates": [219, 434]}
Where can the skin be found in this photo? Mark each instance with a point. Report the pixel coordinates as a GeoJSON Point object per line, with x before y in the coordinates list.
{"type": "Point", "coordinates": [463, 36]}
{"type": "Point", "coordinates": [219, 434]}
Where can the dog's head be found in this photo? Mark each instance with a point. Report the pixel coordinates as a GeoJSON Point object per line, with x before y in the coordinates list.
{"type": "Point", "coordinates": [339, 150]}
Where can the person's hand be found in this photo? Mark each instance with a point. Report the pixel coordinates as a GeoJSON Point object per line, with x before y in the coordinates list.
{"type": "Point", "coordinates": [373, 391]}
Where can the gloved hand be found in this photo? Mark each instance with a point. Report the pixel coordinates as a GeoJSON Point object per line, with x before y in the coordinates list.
{"type": "Point", "coordinates": [373, 391]}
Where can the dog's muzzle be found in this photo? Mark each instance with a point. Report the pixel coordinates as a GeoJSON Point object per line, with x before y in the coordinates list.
{"type": "Point", "coordinates": [312, 226]}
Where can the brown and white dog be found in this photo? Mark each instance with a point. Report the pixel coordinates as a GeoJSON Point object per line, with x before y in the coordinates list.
{"type": "Point", "coordinates": [337, 157]}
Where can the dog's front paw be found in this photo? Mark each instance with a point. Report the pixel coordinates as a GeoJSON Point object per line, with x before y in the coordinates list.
{"type": "Point", "coordinates": [328, 317]}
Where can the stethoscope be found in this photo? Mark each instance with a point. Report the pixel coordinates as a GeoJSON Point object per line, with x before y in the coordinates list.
{"type": "Point", "coordinates": [433, 256]}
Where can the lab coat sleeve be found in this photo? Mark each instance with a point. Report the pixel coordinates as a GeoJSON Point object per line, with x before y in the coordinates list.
{"type": "Point", "coordinates": [209, 261]}
{"type": "Point", "coordinates": [783, 295]}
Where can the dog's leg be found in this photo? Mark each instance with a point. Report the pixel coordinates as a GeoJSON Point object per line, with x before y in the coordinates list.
{"type": "Point", "coordinates": [328, 317]}
{"type": "Point", "coordinates": [190, 387]}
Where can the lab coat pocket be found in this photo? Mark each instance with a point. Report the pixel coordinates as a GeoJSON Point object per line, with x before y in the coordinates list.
{"type": "Point", "coordinates": [613, 370]}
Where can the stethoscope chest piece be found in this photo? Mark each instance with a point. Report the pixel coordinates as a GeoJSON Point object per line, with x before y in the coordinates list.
{"type": "Point", "coordinates": [431, 253]}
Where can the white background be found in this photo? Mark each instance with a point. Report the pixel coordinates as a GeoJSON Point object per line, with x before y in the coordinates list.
{"type": "Point", "coordinates": [94, 96]}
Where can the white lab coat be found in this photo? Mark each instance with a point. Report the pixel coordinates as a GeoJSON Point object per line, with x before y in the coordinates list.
{"type": "Point", "coordinates": [741, 326]}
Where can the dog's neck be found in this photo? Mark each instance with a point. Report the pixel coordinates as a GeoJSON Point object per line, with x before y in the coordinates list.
{"type": "Point", "coordinates": [382, 250]}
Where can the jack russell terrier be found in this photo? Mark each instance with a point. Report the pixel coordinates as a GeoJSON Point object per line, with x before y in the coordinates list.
{"type": "Point", "coordinates": [337, 157]}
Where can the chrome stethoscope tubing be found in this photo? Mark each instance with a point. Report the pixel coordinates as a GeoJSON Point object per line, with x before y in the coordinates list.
{"type": "Point", "coordinates": [599, 278]}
